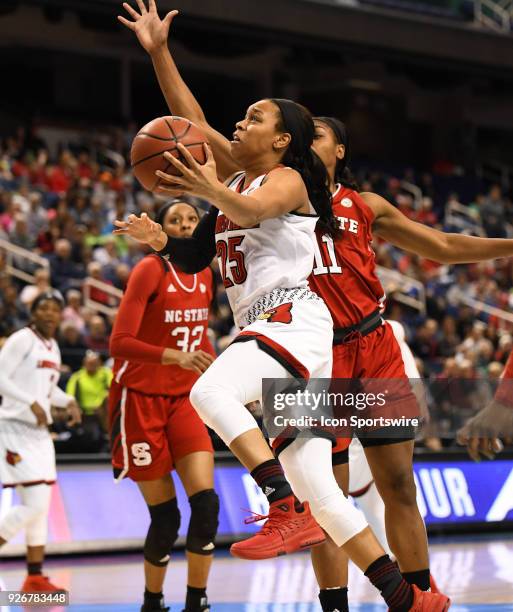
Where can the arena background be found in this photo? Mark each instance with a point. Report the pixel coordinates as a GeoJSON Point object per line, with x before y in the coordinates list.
{"type": "Point", "coordinates": [426, 90]}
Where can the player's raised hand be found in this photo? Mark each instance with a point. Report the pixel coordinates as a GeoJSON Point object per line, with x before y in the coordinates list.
{"type": "Point", "coordinates": [151, 31]}
{"type": "Point", "coordinates": [39, 412]}
{"type": "Point", "coordinates": [482, 433]}
{"type": "Point", "coordinates": [142, 229]}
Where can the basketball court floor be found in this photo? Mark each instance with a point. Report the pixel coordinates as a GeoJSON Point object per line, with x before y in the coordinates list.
{"type": "Point", "coordinates": [476, 573]}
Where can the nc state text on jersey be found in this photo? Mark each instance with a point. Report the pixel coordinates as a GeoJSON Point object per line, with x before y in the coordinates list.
{"type": "Point", "coordinates": [189, 315]}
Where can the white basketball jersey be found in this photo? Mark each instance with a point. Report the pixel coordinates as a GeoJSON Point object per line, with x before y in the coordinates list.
{"type": "Point", "coordinates": [29, 371]}
{"type": "Point", "coordinates": [277, 253]}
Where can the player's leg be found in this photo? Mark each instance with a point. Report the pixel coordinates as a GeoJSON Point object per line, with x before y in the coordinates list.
{"type": "Point", "coordinates": [160, 496]}
{"type": "Point", "coordinates": [140, 451]}
{"type": "Point", "coordinates": [391, 460]}
{"type": "Point", "coordinates": [392, 469]}
{"type": "Point", "coordinates": [36, 532]}
{"type": "Point", "coordinates": [362, 489]}
{"type": "Point", "coordinates": [33, 462]}
{"type": "Point", "coordinates": [329, 561]}
{"type": "Point", "coordinates": [307, 464]}
{"type": "Point", "coordinates": [196, 471]}
{"type": "Point", "coordinates": [193, 456]}
{"type": "Point", "coordinates": [220, 396]}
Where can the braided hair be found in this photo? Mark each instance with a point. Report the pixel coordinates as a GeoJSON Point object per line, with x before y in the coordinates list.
{"type": "Point", "coordinates": [343, 174]}
{"type": "Point", "coordinates": [298, 122]}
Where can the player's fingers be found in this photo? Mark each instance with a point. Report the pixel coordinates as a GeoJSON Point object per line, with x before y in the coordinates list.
{"type": "Point", "coordinates": [170, 178]}
{"type": "Point", "coordinates": [122, 224]}
{"type": "Point", "coordinates": [207, 357]}
{"type": "Point", "coordinates": [204, 363]}
{"type": "Point", "coordinates": [142, 6]}
{"type": "Point", "coordinates": [152, 7]}
{"type": "Point", "coordinates": [129, 24]}
{"type": "Point", "coordinates": [208, 153]}
{"type": "Point", "coordinates": [131, 11]}
{"type": "Point", "coordinates": [176, 163]}
{"type": "Point", "coordinates": [168, 19]}
{"type": "Point", "coordinates": [473, 449]}
{"type": "Point", "coordinates": [462, 436]}
{"type": "Point", "coordinates": [120, 232]}
{"type": "Point", "coordinates": [170, 191]}
{"type": "Point", "coordinates": [191, 162]}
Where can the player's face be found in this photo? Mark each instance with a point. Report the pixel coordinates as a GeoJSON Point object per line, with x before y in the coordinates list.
{"type": "Point", "coordinates": [47, 317]}
{"type": "Point", "coordinates": [326, 146]}
{"type": "Point", "coordinates": [256, 135]}
{"type": "Point", "coordinates": [180, 221]}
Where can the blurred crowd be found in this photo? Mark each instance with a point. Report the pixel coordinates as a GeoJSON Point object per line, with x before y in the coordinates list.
{"type": "Point", "coordinates": [60, 205]}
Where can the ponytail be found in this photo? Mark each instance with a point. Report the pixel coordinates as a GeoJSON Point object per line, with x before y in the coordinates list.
{"type": "Point", "coordinates": [298, 122]}
{"type": "Point", "coordinates": [343, 174]}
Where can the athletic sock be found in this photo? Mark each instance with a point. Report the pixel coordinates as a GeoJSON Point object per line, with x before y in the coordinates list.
{"type": "Point", "coordinates": [153, 601]}
{"type": "Point", "coordinates": [385, 576]}
{"type": "Point", "coordinates": [334, 599]}
{"type": "Point", "coordinates": [35, 569]}
{"type": "Point", "coordinates": [196, 599]}
{"type": "Point", "coordinates": [270, 478]}
{"type": "Point", "coordinates": [420, 578]}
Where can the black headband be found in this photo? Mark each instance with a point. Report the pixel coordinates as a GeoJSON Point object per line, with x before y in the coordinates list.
{"type": "Point", "coordinates": [52, 294]}
{"type": "Point", "coordinates": [161, 214]}
{"type": "Point", "coordinates": [337, 127]}
{"type": "Point", "coordinates": [293, 119]}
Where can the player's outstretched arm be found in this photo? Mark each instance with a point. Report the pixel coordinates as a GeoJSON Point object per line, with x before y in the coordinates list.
{"type": "Point", "coordinates": [190, 254]}
{"type": "Point", "coordinates": [394, 227]}
{"type": "Point", "coordinates": [152, 33]}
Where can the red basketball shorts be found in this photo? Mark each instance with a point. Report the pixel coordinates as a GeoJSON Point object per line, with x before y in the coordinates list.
{"type": "Point", "coordinates": [376, 355]}
{"type": "Point", "coordinates": [149, 433]}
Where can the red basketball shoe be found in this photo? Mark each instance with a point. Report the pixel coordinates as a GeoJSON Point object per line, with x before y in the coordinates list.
{"type": "Point", "coordinates": [426, 601]}
{"type": "Point", "coordinates": [40, 584]}
{"type": "Point", "coordinates": [285, 531]}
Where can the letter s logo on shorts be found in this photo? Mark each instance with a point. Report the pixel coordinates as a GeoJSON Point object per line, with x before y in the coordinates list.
{"type": "Point", "coordinates": [141, 454]}
{"type": "Point", "coordinates": [280, 314]}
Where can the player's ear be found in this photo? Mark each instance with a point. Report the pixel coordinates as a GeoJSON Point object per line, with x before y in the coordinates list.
{"type": "Point", "coordinates": [341, 151]}
{"type": "Point", "coordinates": [281, 142]}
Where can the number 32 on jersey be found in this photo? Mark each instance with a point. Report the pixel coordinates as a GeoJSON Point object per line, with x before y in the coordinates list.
{"type": "Point", "coordinates": [325, 258]}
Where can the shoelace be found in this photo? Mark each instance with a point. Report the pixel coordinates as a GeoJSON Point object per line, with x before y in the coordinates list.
{"type": "Point", "coordinates": [270, 526]}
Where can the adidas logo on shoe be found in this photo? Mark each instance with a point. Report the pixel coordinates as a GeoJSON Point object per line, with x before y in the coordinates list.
{"type": "Point", "coordinates": [269, 491]}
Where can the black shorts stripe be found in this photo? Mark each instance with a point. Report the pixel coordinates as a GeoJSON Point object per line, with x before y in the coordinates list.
{"type": "Point", "coordinates": [274, 354]}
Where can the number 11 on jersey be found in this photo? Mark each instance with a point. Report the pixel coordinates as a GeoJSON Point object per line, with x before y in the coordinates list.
{"type": "Point", "coordinates": [331, 257]}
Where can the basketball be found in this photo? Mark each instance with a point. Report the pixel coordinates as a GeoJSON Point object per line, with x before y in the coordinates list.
{"type": "Point", "coordinates": [161, 135]}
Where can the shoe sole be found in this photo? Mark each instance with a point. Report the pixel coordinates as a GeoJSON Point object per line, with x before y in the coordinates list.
{"type": "Point", "coordinates": [276, 553]}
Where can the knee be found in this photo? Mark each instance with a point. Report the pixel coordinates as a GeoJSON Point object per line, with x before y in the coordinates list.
{"type": "Point", "coordinates": [162, 533]}
{"type": "Point", "coordinates": [338, 517]}
{"type": "Point", "coordinates": [205, 394]}
{"type": "Point", "coordinates": [204, 522]}
{"type": "Point", "coordinates": [399, 488]}
{"type": "Point", "coordinates": [37, 500]}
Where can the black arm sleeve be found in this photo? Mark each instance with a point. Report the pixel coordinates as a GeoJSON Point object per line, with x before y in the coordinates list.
{"type": "Point", "coordinates": [195, 253]}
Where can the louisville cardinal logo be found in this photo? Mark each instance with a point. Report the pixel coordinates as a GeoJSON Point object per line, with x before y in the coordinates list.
{"type": "Point", "coordinates": [280, 314]}
{"type": "Point", "coordinates": [12, 458]}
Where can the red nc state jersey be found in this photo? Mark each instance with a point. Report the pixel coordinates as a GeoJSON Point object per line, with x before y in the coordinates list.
{"type": "Point", "coordinates": [344, 272]}
{"type": "Point", "coordinates": [162, 308]}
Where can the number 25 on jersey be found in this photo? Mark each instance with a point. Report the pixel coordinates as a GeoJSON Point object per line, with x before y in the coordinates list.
{"type": "Point", "coordinates": [231, 261]}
